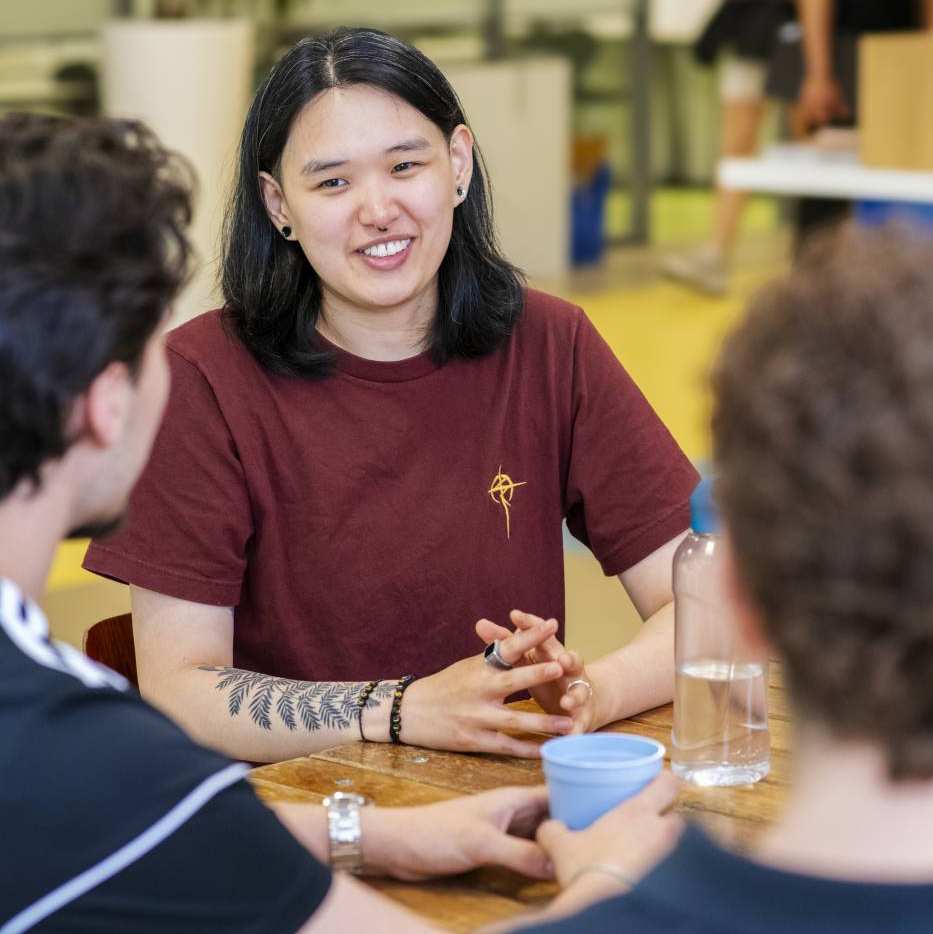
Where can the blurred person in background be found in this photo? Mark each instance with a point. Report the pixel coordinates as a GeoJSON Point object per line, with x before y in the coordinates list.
{"type": "Point", "coordinates": [743, 34]}
{"type": "Point", "coordinates": [804, 55]}
{"type": "Point", "coordinates": [113, 819]}
{"type": "Point", "coordinates": [827, 43]}
{"type": "Point", "coordinates": [822, 420]}
{"type": "Point", "coordinates": [815, 71]}
{"type": "Point", "coordinates": [368, 452]}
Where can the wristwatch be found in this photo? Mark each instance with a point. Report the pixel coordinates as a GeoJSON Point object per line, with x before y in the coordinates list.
{"type": "Point", "coordinates": [344, 830]}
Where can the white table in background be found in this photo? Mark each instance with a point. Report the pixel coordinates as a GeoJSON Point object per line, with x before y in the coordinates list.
{"type": "Point", "coordinates": [798, 170]}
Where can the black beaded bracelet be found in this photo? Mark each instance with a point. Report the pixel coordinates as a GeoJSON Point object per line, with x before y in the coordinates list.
{"type": "Point", "coordinates": [362, 701]}
{"type": "Point", "coordinates": [395, 718]}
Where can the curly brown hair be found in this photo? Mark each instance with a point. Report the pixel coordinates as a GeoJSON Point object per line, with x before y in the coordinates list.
{"type": "Point", "coordinates": [823, 440]}
{"type": "Point", "coordinates": [93, 248]}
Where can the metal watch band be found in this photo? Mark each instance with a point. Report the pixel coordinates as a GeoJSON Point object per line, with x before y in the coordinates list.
{"type": "Point", "coordinates": [345, 831]}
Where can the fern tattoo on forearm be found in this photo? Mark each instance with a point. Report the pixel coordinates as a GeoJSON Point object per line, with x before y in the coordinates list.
{"type": "Point", "coordinates": [316, 705]}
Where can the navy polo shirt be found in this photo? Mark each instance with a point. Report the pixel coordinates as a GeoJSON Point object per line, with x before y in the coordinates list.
{"type": "Point", "coordinates": [112, 820]}
{"type": "Point", "coordinates": [703, 889]}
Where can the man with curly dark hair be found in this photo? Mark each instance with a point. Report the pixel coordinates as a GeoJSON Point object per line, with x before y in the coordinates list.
{"type": "Point", "coordinates": [823, 443]}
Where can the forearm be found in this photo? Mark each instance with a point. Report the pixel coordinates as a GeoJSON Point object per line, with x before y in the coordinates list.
{"type": "Point", "coordinates": [640, 675]}
{"type": "Point", "coordinates": [816, 23]}
{"type": "Point", "coordinates": [307, 823]}
{"type": "Point", "coordinates": [261, 718]}
{"type": "Point", "coordinates": [388, 848]}
{"type": "Point", "coordinates": [583, 893]}
{"type": "Point", "coordinates": [352, 906]}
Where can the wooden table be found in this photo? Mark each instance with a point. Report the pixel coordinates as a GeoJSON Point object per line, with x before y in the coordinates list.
{"type": "Point", "coordinates": [406, 775]}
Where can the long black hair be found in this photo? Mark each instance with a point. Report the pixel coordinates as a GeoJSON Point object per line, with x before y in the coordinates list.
{"type": "Point", "coordinates": [272, 294]}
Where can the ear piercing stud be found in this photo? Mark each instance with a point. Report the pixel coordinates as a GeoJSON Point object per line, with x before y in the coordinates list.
{"type": "Point", "coordinates": [286, 231]}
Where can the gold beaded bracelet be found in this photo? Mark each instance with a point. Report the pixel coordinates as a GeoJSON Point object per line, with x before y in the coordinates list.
{"type": "Point", "coordinates": [395, 718]}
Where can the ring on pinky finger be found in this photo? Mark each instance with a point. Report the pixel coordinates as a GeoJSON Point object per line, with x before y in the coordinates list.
{"type": "Point", "coordinates": [584, 683]}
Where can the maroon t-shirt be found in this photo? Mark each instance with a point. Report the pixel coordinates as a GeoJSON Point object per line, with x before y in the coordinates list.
{"type": "Point", "coordinates": [361, 524]}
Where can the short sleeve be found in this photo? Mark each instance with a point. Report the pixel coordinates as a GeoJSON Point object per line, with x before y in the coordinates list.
{"type": "Point", "coordinates": [629, 484]}
{"type": "Point", "coordinates": [232, 868]}
{"type": "Point", "coordinates": [125, 825]}
{"type": "Point", "coordinates": [189, 521]}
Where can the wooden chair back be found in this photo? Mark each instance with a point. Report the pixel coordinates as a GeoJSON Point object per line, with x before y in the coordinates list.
{"type": "Point", "coordinates": [110, 642]}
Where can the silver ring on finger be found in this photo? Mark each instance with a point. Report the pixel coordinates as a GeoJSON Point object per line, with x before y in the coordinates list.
{"type": "Point", "coordinates": [492, 656]}
{"type": "Point", "coordinates": [585, 683]}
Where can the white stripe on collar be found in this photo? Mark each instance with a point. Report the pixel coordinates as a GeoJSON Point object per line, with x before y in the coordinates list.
{"type": "Point", "coordinates": [28, 629]}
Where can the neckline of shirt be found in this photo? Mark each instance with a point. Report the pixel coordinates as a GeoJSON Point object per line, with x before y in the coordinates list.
{"type": "Point", "coordinates": [27, 628]}
{"type": "Point", "coordinates": [16, 609]}
{"type": "Point", "coordinates": [379, 371]}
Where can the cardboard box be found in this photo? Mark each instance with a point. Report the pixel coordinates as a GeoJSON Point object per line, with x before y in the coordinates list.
{"type": "Point", "coordinates": [896, 101]}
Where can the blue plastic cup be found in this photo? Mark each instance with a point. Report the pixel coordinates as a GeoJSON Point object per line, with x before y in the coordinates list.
{"type": "Point", "coordinates": [591, 773]}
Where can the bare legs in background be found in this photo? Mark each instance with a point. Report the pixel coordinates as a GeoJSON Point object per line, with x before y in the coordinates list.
{"type": "Point", "coordinates": [706, 267]}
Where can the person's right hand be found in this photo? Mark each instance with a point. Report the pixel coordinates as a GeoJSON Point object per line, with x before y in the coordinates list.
{"type": "Point", "coordinates": [631, 838]}
{"type": "Point", "coordinates": [820, 102]}
{"type": "Point", "coordinates": [492, 828]}
{"type": "Point", "coordinates": [463, 706]}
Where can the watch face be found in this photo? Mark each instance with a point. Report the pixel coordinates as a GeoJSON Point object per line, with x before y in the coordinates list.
{"type": "Point", "coordinates": [343, 799]}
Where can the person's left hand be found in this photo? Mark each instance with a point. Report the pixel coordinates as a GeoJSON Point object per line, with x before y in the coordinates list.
{"type": "Point", "coordinates": [563, 695]}
{"type": "Point", "coordinates": [630, 838]}
{"type": "Point", "coordinates": [494, 828]}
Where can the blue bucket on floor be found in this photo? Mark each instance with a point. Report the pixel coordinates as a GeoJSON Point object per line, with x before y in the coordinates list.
{"type": "Point", "coordinates": [588, 217]}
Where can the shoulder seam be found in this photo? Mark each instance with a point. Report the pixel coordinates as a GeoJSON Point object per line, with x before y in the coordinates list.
{"type": "Point", "coordinates": [220, 411]}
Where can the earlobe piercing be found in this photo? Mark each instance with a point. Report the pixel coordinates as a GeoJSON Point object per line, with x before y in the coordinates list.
{"type": "Point", "coordinates": [286, 231]}
{"type": "Point", "coordinates": [459, 191]}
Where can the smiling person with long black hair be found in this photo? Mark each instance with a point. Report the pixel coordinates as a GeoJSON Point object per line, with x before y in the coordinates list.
{"type": "Point", "coordinates": [113, 819]}
{"type": "Point", "coordinates": [369, 450]}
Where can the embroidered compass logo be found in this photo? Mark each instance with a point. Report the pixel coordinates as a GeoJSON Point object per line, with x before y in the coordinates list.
{"type": "Point", "coordinates": [501, 493]}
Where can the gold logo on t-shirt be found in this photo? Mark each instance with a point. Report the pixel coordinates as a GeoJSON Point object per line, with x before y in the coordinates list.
{"type": "Point", "coordinates": [501, 493]}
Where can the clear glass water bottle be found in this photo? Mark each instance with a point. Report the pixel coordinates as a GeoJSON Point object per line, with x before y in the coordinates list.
{"type": "Point", "coordinates": [720, 734]}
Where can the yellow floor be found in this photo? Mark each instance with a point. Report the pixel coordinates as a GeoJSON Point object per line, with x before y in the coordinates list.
{"type": "Point", "coordinates": [684, 215]}
{"type": "Point", "coordinates": [665, 336]}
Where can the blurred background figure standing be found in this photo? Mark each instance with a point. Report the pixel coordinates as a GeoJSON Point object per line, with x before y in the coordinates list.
{"type": "Point", "coordinates": [743, 33]}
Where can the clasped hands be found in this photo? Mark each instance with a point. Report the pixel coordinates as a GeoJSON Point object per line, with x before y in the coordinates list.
{"type": "Point", "coordinates": [463, 707]}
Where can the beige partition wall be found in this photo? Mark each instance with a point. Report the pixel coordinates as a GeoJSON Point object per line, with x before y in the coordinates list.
{"type": "Point", "coordinates": [191, 81]}
{"type": "Point", "coordinates": [520, 112]}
